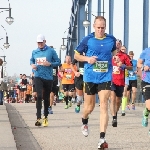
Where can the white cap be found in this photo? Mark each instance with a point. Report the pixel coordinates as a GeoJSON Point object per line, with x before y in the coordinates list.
{"type": "Point", "coordinates": [40, 38]}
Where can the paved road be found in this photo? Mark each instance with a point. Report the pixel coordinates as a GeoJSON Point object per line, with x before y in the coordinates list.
{"type": "Point", "coordinates": [63, 132]}
{"type": "Point", "coordinates": [6, 137]}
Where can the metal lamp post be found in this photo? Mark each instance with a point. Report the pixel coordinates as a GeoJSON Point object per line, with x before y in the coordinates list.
{"type": "Point", "coordinates": [86, 22]}
{"type": "Point", "coordinates": [63, 46]}
{"type": "Point", "coordinates": [9, 19]}
{"type": "Point", "coordinates": [3, 68]}
{"type": "Point", "coordinates": [6, 45]}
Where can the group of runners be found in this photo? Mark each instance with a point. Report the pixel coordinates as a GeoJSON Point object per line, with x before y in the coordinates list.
{"type": "Point", "coordinates": [101, 65]}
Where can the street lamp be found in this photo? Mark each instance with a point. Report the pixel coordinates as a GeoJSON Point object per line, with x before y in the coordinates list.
{"type": "Point", "coordinates": [6, 45]}
{"type": "Point", "coordinates": [86, 23]}
{"type": "Point", "coordinates": [64, 47]}
{"type": "Point", "coordinates": [9, 19]}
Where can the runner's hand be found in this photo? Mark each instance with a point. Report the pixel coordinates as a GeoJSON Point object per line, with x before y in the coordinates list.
{"type": "Point", "coordinates": [146, 68]}
{"type": "Point", "coordinates": [92, 60]}
{"type": "Point", "coordinates": [77, 74]}
{"type": "Point", "coordinates": [34, 66]}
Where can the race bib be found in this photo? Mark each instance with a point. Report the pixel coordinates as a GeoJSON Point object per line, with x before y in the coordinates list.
{"type": "Point", "coordinates": [68, 70]}
{"type": "Point", "coordinates": [101, 66]}
{"type": "Point", "coordinates": [116, 70]}
{"type": "Point", "coordinates": [39, 61]}
{"type": "Point", "coordinates": [54, 72]}
{"type": "Point", "coordinates": [68, 76]}
{"type": "Point", "coordinates": [81, 70]}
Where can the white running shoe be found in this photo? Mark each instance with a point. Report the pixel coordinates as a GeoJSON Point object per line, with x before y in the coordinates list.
{"type": "Point", "coordinates": [85, 130]}
{"type": "Point", "coordinates": [102, 143]}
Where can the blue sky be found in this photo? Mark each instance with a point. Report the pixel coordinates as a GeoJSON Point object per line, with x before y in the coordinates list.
{"type": "Point", "coordinates": [51, 18]}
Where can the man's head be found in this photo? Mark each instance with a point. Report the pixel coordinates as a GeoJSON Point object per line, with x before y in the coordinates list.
{"type": "Point", "coordinates": [68, 59]}
{"type": "Point", "coordinates": [123, 49]}
{"type": "Point", "coordinates": [99, 26]}
{"type": "Point", "coordinates": [20, 76]}
{"type": "Point", "coordinates": [118, 44]}
{"type": "Point", "coordinates": [23, 76]}
{"type": "Point", "coordinates": [131, 54]}
{"type": "Point", "coordinates": [40, 41]}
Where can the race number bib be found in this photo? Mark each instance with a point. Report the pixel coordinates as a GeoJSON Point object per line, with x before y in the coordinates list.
{"type": "Point", "coordinates": [81, 70]}
{"type": "Point", "coordinates": [101, 66]}
{"type": "Point", "coordinates": [68, 76]}
{"type": "Point", "coordinates": [116, 70]}
{"type": "Point", "coordinates": [54, 72]}
{"type": "Point", "coordinates": [68, 70]}
{"type": "Point", "coordinates": [39, 61]}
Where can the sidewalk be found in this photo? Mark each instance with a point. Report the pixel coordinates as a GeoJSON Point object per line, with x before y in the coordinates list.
{"type": "Point", "coordinates": [6, 137]}
{"type": "Point", "coordinates": [64, 130]}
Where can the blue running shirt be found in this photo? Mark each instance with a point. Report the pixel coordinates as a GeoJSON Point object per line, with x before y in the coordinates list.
{"type": "Point", "coordinates": [132, 74]}
{"type": "Point", "coordinates": [39, 56]}
{"type": "Point", "coordinates": [101, 71]}
{"type": "Point", "coordinates": [145, 56]}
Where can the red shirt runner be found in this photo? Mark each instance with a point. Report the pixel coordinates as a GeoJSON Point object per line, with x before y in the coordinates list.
{"type": "Point", "coordinates": [118, 74]}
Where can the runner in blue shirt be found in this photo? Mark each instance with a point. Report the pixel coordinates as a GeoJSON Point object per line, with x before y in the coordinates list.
{"type": "Point", "coordinates": [132, 82]}
{"type": "Point", "coordinates": [98, 48]}
{"type": "Point", "coordinates": [43, 59]}
{"type": "Point", "coordinates": [144, 64]}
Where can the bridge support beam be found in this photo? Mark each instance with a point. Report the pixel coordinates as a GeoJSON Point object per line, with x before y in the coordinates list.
{"type": "Point", "coordinates": [145, 23]}
{"type": "Point", "coordinates": [111, 16]}
{"type": "Point", "coordinates": [126, 23]}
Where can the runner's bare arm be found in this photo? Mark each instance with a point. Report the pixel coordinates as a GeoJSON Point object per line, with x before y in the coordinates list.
{"type": "Point", "coordinates": [61, 69]}
{"type": "Point", "coordinates": [73, 69]}
{"type": "Point", "coordinates": [129, 67]}
{"type": "Point", "coordinates": [79, 57]}
{"type": "Point", "coordinates": [140, 63]}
